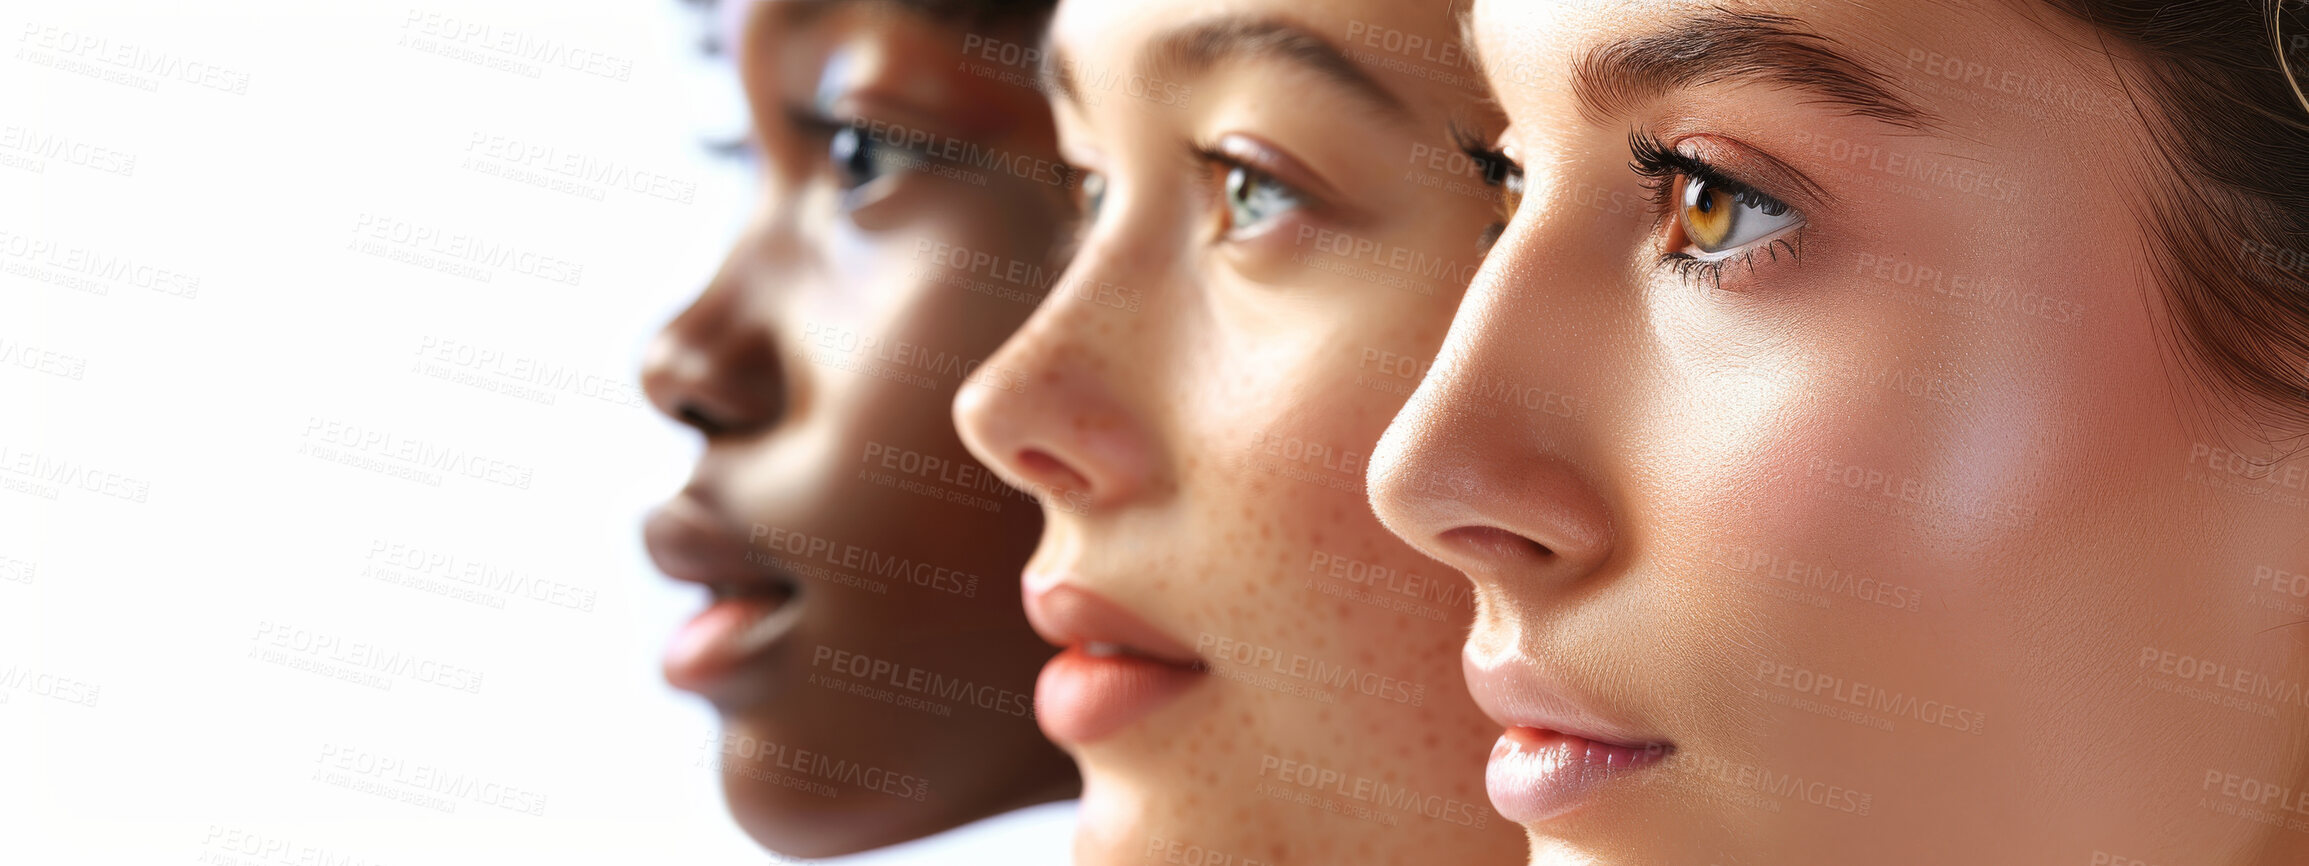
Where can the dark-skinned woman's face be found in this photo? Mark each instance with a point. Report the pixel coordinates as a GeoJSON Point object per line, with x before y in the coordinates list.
{"type": "Point", "coordinates": [863, 641]}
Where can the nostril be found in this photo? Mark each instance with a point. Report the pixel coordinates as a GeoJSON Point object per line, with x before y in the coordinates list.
{"type": "Point", "coordinates": [1044, 468]}
{"type": "Point", "coordinates": [1491, 542]}
{"type": "Point", "coordinates": [695, 417]}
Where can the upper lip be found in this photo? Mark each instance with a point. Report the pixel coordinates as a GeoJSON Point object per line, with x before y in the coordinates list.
{"type": "Point", "coordinates": [1066, 614]}
{"type": "Point", "coordinates": [689, 542]}
{"type": "Point", "coordinates": [1519, 694]}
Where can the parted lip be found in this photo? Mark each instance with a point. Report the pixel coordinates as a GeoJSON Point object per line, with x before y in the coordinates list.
{"type": "Point", "coordinates": [689, 542]}
{"type": "Point", "coordinates": [1519, 693]}
{"type": "Point", "coordinates": [1066, 615]}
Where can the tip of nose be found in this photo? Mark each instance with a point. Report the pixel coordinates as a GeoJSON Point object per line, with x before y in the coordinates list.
{"type": "Point", "coordinates": [1491, 542]}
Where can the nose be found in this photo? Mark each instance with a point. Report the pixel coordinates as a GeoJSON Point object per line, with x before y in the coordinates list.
{"type": "Point", "coordinates": [715, 367]}
{"type": "Point", "coordinates": [1068, 421]}
{"type": "Point", "coordinates": [1486, 469]}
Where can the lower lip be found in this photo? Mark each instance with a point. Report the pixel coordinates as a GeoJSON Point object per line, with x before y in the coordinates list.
{"type": "Point", "coordinates": [1081, 698]}
{"type": "Point", "coordinates": [1536, 775]}
{"type": "Point", "coordinates": [726, 635]}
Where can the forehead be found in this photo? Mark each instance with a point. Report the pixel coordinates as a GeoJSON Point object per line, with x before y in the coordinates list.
{"type": "Point", "coordinates": [1397, 61]}
{"type": "Point", "coordinates": [1974, 63]}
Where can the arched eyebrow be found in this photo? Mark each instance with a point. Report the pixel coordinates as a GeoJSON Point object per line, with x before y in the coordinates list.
{"type": "Point", "coordinates": [1192, 49]}
{"type": "Point", "coordinates": [1723, 45]}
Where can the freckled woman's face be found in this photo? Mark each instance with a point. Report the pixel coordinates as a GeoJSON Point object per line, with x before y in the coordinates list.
{"type": "Point", "coordinates": [1255, 671]}
{"type": "Point", "coordinates": [1827, 485]}
{"type": "Point", "coordinates": [861, 636]}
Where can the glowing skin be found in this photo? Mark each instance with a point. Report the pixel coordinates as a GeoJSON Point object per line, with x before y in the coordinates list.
{"type": "Point", "coordinates": [773, 364]}
{"type": "Point", "coordinates": [1897, 550]}
{"type": "Point", "coordinates": [1214, 433]}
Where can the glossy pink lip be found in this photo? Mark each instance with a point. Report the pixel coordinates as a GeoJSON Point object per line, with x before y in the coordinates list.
{"type": "Point", "coordinates": [1116, 670]}
{"type": "Point", "coordinates": [1558, 753]}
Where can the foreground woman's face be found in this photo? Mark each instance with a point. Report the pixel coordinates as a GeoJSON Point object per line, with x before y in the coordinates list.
{"type": "Point", "coordinates": [1255, 670]}
{"type": "Point", "coordinates": [861, 636]}
{"type": "Point", "coordinates": [1832, 500]}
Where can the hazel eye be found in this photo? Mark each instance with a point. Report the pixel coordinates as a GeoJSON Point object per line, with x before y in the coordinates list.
{"type": "Point", "coordinates": [1716, 218]}
{"type": "Point", "coordinates": [1253, 198]}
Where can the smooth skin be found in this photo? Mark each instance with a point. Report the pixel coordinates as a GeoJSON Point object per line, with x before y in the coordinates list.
{"type": "Point", "coordinates": [801, 363]}
{"type": "Point", "coordinates": [1916, 509]}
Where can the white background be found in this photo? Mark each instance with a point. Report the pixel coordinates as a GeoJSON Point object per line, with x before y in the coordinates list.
{"type": "Point", "coordinates": [158, 702]}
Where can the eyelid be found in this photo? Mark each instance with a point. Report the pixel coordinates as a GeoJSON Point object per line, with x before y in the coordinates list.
{"type": "Point", "coordinates": [1254, 154]}
{"type": "Point", "coordinates": [1754, 169]}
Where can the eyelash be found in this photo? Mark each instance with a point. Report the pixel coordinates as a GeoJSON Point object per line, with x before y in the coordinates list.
{"type": "Point", "coordinates": [1499, 173]}
{"type": "Point", "coordinates": [1660, 165]}
{"type": "Point", "coordinates": [1211, 165]}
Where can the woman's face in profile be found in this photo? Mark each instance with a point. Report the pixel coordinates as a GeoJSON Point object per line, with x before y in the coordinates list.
{"type": "Point", "coordinates": [1858, 506]}
{"type": "Point", "coordinates": [862, 639]}
{"type": "Point", "coordinates": [1255, 671]}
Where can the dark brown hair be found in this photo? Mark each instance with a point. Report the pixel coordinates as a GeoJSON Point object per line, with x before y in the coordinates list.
{"type": "Point", "coordinates": [2215, 82]}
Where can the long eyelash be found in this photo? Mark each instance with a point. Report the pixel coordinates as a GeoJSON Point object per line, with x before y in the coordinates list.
{"type": "Point", "coordinates": [1494, 162]}
{"type": "Point", "coordinates": [1659, 165]}
{"type": "Point", "coordinates": [1497, 169]}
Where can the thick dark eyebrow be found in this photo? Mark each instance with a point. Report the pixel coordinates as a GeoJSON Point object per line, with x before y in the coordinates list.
{"type": "Point", "coordinates": [1723, 45]}
{"type": "Point", "coordinates": [1193, 49]}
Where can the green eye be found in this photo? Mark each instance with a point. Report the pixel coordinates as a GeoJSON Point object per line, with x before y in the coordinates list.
{"type": "Point", "coordinates": [1253, 198]}
{"type": "Point", "coordinates": [1093, 193]}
